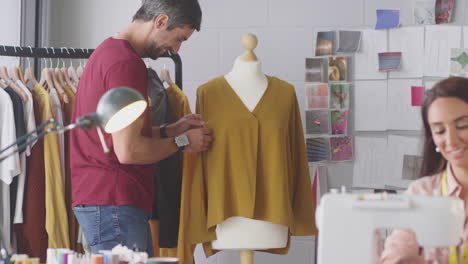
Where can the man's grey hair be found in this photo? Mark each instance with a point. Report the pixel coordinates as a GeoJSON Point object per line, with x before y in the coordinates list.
{"type": "Point", "coordinates": [180, 12]}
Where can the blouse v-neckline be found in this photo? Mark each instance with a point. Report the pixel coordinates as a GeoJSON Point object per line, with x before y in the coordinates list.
{"type": "Point", "coordinates": [239, 100]}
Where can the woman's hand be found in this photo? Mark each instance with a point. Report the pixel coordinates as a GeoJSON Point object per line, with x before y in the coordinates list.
{"type": "Point", "coordinates": [412, 260]}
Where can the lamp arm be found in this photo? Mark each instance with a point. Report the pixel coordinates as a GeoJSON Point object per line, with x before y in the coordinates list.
{"type": "Point", "coordinates": [25, 137]}
{"type": "Point", "coordinates": [24, 145]}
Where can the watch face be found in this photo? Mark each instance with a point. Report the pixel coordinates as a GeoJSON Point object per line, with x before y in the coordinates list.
{"type": "Point", "coordinates": [182, 140]}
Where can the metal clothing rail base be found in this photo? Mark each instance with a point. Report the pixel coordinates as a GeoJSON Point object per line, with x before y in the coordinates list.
{"type": "Point", "coordinates": [76, 53]}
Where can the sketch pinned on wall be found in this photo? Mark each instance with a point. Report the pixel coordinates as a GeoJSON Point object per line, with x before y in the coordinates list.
{"type": "Point", "coordinates": [408, 41]}
{"type": "Point", "coordinates": [389, 61]}
{"type": "Point", "coordinates": [317, 96]}
{"type": "Point", "coordinates": [366, 59]}
{"type": "Point", "coordinates": [317, 121]}
{"type": "Point", "coordinates": [341, 148]}
{"type": "Point", "coordinates": [370, 115]}
{"type": "Point", "coordinates": [459, 62]}
{"type": "Point", "coordinates": [339, 95]}
{"type": "Point", "coordinates": [349, 41]}
{"type": "Point", "coordinates": [339, 122]}
{"type": "Point", "coordinates": [325, 40]}
{"type": "Point", "coordinates": [411, 167]}
{"type": "Point", "coordinates": [424, 12]}
{"type": "Point", "coordinates": [369, 162]}
{"type": "Point", "coordinates": [337, 69]}
{"type": "Point", "coordinates": [317, 149]}
{"type": "Point", "coordinates": [443, 11]}
{"type": "Point", "coordinates": [401, 115]}
{"type": "Point", "coordinates": [387, 18]}
{"type": "Point", "coordinates": [439, 40]}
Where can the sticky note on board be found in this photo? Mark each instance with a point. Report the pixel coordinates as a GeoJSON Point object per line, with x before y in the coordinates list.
{"type": "Point", "coordinates": [387, 18]}
{"type": "Point", "coordinates": [417, 95]}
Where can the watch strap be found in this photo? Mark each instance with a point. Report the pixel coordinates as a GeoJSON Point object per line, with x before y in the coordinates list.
{"type": "Point", "coordinates": [162, 130]}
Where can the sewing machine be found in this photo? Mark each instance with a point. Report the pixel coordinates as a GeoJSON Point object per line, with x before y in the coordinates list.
{"type": "Point", "coordinates": [347, 222]}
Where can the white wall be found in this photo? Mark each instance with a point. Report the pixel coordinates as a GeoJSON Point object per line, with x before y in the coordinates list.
{"type": "Point", "coordinates": [10, 27]}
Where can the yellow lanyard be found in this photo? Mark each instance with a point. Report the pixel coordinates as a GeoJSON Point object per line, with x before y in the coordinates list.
{"type": "Point", "coordinates": [453, 250]}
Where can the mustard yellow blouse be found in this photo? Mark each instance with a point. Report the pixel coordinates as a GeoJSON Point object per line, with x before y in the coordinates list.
{"type": "Point", "coordinates": [256, 167]}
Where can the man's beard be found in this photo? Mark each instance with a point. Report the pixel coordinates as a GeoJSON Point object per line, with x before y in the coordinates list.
{"type": "Point", "coordinates": [153, 51]}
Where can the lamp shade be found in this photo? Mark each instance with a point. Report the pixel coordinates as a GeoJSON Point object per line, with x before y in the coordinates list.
{"type": "Point", "coordinates": [120, 107]}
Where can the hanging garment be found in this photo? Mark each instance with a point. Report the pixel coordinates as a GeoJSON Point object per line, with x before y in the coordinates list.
{"type": "Point", "coordinates": [73, 226]}
{"type": "Point", "coordinates": [56, 214]}
{"type": "Point", "coordinates": [20, 130]}
{"type": "Point", "coordinates": [179, 105]}
{"type": "Point", "coordinates": [58, 116]}
{"type": "Point", "coordinates": [168, 173]}
{"type": "Point", "coordinates": [31, 234]}
{"type": "Point", "coordinates": [256, 167]}
{"type": "Point", "coordinates": [10, 167]}
{"type": "Point", "coordinates": [30, 122]}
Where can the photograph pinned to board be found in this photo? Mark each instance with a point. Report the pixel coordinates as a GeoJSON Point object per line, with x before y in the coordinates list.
{"type": "Point", "coordinates": [315, 69]}
{"type": "Point", "coordinates": [317, 149]}
{"type": "Point", "coordinates": [443, 11]}
{"type": "Point", "coordinates": [417, 95]}
{"type": "Point", "coordinates": [411, 167]}
{"type": "Point", "coordinates": [314, 77]}
{"type": "Point", "coordinates": [341, 148]}
{"type": "Point", "coordinates": [339, 122]}
{"type": "Point", "coordinates": [387, 18]}
{"type": "Point", "coordinates": [317, 96]}
{"type": "Point", "coordinates": [424, 12]}
{"type": "Point", "coordinates": [339, 95]}
{"type": "Point", "coordinates": [337, 69]}
{"type": "Point", "coordinates": [317, 122]}
{"type": "Point", "coordinates": [325, 40]}
{"type": "Point", "coordinates": [389, 61]}
{"type": "Point", "coordinates": [349, 41]}
{"type": "Point", "coordinates": [459, 62]}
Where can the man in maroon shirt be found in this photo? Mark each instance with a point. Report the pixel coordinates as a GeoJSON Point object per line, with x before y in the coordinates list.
{"type": "Point", "coordinates": [112, 192]}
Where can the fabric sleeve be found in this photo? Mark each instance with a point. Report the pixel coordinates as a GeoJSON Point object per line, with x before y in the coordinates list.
{"type": "Point", "coordinates": [303, 200]}
{"type": "Point", "coordinates": [130, 73]}
{"type": "Point", "coordinates": [10, 167]}
{"type": "Point", "coordinates": [198, 230]}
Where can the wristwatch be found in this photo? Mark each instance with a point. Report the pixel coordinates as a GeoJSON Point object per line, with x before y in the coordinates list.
{"type": "Point", "coordinates": [181, 141]}
{"type": "Point", "coordinates": [162, 131]}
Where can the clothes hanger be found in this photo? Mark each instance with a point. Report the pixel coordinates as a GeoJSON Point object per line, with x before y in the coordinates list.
{"type": "Point", "coordinates": [79, 70]}
{"type": "Point", "coordinates": [165, 76]}
{"type": "Point", "coordinates": [29, 73]}
{"type": "Point", "coordinates": [20, 70]}
{"type": "Point", "coordinates": [12, 72]}
{"type": "Point", "coordinates": [72, 72]}
{"type": "Point", "coordinates": [10, 82]}
{"type": "Point", "coordinates": [46, 79]}
{"type": "Point", "coordinates": [59, 74]}
{"type": "Point", "coordinates": [66, 76]}
{"type": "Point", "coordinates": [57, 83]}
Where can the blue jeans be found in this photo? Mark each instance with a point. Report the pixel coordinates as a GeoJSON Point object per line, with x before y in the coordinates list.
{"type": "Point", "coordinates": [105, 226]}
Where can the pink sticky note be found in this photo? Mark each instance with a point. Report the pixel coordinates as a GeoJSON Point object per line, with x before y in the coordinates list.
{"type": "Point", "coordinates": [417, 95]}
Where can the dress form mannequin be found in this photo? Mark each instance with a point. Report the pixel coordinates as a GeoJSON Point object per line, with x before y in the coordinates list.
{"type": "Point", "coordinates": [240, 233]}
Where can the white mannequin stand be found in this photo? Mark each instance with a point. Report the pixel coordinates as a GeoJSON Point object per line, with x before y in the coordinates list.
{"type": "Point", "coordinates": [240, 233]}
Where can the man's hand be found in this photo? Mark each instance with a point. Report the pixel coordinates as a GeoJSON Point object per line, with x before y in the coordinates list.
{"type": "Point", "coordinates": [199, 138]}
{"type": "Point", "coordinates": [187, 122]}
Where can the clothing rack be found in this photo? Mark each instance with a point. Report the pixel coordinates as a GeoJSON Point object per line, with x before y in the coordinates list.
{"type": "Point", "coordinates": [76, 53]}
